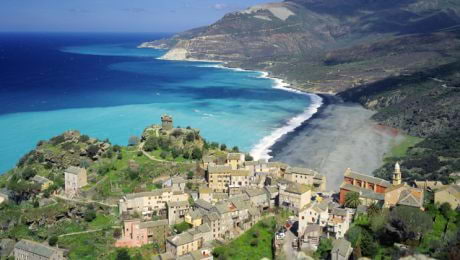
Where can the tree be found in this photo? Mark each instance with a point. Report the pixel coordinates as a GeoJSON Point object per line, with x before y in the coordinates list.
{"type": "Point", "coordinates": [122, 254]}
{"type": "Point", "coordinates": [214, 145]}
{"type": "Point", "coordinates": [235, 149]}
{"type": "Point", "coordinates": [52, 241]}
{"type": "Point", "coordinates": [164, 154]}
{"type": "Point", "coordinates": [248, 157]}
{"type": "Point", "coordinates": [352, 200]}
{"type": "Point", "coordinates": [223, 147]}
{"type": "Point", "coordinates": [28, 173]}
{"type": "Point", "coordinates": [190, 175]}
{"type": "Point", "coordinates": [197, 153]}
{"type": "Point", "coordinates": [408, 223]}
{"type": "Point", "coordinates": [92, 150]}
{"type": "Point", "coordinates": [177, 132]}
{"type": "Point", "coordinates": [151, 144]}
{"type": "Point", "coordinates": [373, 209]}
{"type": "Point", "coordinates": [117, 233]}
{"type": "Point", "coordinates": [190, 137]}
{"type": "Point", "coordinates": [83, 138]}
{"type": "Point", "coordinates": [133, 140]}
{"type": "Point", "coordinates": [175, 153]}
{"type": "Point", "coordinates": [90, 215]}
{"type": "Point", "coordinates": [324, 248]}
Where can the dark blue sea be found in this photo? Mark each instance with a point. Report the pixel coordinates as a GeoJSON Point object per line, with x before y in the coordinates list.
{"type": "Point", "coordinates": [106, 87]}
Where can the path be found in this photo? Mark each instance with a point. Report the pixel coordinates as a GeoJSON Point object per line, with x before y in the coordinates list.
{"type": "Point", "coordinates": [85, 201]}
{"type": "Point", "coordinates": [81, 232]}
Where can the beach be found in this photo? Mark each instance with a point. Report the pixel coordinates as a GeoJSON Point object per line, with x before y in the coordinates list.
{"type": "Point", "coordinates": [339, 136]}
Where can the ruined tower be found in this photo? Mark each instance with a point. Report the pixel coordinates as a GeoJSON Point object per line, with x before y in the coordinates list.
{"type": "Point", "coordinates": [396, 180]}
{"type": "Point", "coordinates": [166, 123]}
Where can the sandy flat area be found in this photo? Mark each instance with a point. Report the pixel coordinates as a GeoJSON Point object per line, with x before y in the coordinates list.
{"type": "Point", "coordinates": [340, 136]}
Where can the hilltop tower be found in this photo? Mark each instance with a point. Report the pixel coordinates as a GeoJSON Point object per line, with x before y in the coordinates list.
{"type": "Point", "coordinates": [166, 123]}
{"type": "Point", "coordinates": [396, 180]}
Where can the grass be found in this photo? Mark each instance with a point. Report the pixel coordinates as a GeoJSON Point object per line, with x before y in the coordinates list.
{"type": "Point", "coordinates": [400, 149]}
{"type": "Point", "coordinates": [88, 246]}
{"type": "Point", "coordinates": [256, 243]}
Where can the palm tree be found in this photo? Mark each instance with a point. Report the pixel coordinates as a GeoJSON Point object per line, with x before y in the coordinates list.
{"type": "Point", "coordinates": [352, 200]}
{"type": "Point", "coordinates": [373, 209]}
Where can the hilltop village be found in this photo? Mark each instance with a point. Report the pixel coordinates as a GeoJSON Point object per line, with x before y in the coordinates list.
{"type": "Point", "coordinates": [172, 195]}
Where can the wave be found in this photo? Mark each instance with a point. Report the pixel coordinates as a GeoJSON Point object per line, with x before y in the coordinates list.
{"type": "Point", "coordinates": [262, 149]}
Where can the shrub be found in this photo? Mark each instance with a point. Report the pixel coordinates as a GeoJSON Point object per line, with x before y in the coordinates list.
{"type": "Point", "coordinates": [254, 243]}
{"type": "Point", "coordinates": [28, 173]}
{"type": "Point", "coordinates": [164, 154]}
{"type": "Point", "coordinates": [117, 233]}
{"type": "Point", "coordinates": [83, 138]}
{"type": "Point", "coordinates": [197, 153]}
{"type": "Point", "coordinates": [57, 140]}
{"type": "Point", "coordinates": [151, 144]}
{"type": "Point", "coordinates": [90, 215]}
{"type": "Point", "coordinates": [133, 140]}
{"type": "Point", "coordinates": [52, 241]}
{"type": "Point", "coordinates": [122, 254]}
{"type": "Point", "coordinates": [190, 137]}
{"type": "Point", "coordinates": [92, 150]}
{"type": "Point", "coordinates": [235, 149]}
{"type": "Point", "coordinates": [248, 157]}
{"type": "Point", "coordinates": [139, 153]}
{"type": "Point", "coordinates": [223, 147]}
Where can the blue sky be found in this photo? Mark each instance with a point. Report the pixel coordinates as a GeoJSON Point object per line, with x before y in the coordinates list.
{"type": "Point", "coordinates": [114, 15]}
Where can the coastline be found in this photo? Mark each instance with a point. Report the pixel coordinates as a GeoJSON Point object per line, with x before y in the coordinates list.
{"type": "Point", "coordinates": [329, 136]}
{"type": "Point", "coordinates": [264, 148]}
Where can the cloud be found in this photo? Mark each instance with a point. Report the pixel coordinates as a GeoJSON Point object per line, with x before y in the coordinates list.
{"type": "Point", "coordinates": [135, 10]}
{"type": "Point", "coordinates": [220, 6]}
{"type": "Point", "coordinates": [78, 10]}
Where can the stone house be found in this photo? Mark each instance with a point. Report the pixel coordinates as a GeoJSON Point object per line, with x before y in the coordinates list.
{"type": "Point", "coordinates": [403, 194]}
{"type": "Point", "coordinates": [341, 250]}
{"type": "Point", "coordinates": [273, 195]}
{"type": "Point", "coordinates": [42, 181]}
{"type": "Point", "coordinates": [137, 233]}
{"type": "Point", "coordinates": [205, 194]}
{"type": "Point", "coordinates": [314, 213]}
{"type": "Point", "coordinates": [310, 236]}
{"type": "Point", "coordinates": [449, 194]}
{"type": "Point", "coordinates": [306, 176]}
{"type": "Point", "coordinates": [338, 223]}
{"type": "Point", "coordinates": [150, 203]}
{"type": "Point", "coordinates": [258, 197]}
{"type": "Point", "coordinates": [176, 184]}
{"type": "Point", "coordinates": [189, 241]}
{"type": "Point", "coordinates": [238, 179]}
{"type": "Point", "coordinates": [235, 160]}
{"type": "Point", "coordinates": [201, 254]}
{"type": "Point", "coordinates": [177, 211]}
{"type": "Point", "coordinates": [75, 178]}
{"type": "Point", "coordinates": [218, 177]}
{"type": "Point", "coordinates": [294, 197]}
{"type": "Point", "coordinates": [31, 250]}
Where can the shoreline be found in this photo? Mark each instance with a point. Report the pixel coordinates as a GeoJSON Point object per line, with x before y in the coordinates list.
{"type": "Point", "coordinates": [264, 148]}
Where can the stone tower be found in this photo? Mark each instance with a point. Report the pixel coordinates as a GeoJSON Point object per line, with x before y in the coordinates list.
{"type": "Point", "coordinates": [396, 180]}
{"type": "Point", "coordinates": [166, 123]}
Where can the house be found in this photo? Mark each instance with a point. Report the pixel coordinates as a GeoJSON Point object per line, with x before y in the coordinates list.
{"type": "Point", "coordinates": [214, 221]}
{"type": "Point", "coordinates": [341, 250]}
{"type": "Point", "coordinates": [371, 189]}
{"type": "Point", "coordinates": [258, 197]}
{"type": "Point", "coordinates": [273, 194]}
{"type": "Point", "coordinates": [31, 250]}
{"type": "Point", "coordinates": [195, 217]}
{"type": "Point", "coordinates": [238, 179]}
{"type": "Point", "coordinates": [338, 223]}
{"type": "Point", "coordinates": [314, 213]}
{"type": "Point", "coordinates": [218, 177]}
{"type": "Point", "coordinates": [42, 181]}
{"type": "Point", "coordinates": [306, 176]}
{"type": "Point", "coordinates": [176, 184]}
{"type": "Point", "coordinates": [235, 160]}
{"type": "Point", "coordinates": [150, 203]}
{"type": "Point", "coordinates": [277, 169]}
{"type": "Point", "coordinates": [403, 194]}
{"type": "Point", "coordinates": [75, 178]}
{"type": "Point", "coordinates": [449, 194]}
{"type": "Point", "coordinates": [311, 235]}
{"type": "Point", "coordinates": [3, 197]}
{"type": "Point", "coordinates": [6, 247]}
{"type": "Point", "coordinates": [205, 194]}
{"type": "Point", "coordinates": [177, 211]}
{"type": "Point", "coordinates": [189, 241]}
{"type": "Point", "coordinates": [201, 254]}
{"type": "Point", "coordinates": [137, 233]}
{"type": "Point", "coordinates": [294, 197]}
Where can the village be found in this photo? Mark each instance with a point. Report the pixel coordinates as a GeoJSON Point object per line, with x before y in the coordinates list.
{"type": "Point", "coordinates": [233, 195]}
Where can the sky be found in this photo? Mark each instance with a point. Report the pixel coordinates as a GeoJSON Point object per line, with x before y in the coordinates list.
{"type": "Point", "coordinates": [114, 15]}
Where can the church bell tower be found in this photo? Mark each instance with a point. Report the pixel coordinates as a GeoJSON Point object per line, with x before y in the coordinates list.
{"type": "Point", "coordinates": [396, 180]}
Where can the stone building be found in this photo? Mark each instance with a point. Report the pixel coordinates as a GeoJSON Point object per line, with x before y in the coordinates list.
{"type": "Point", "coordinates": [219, 177]}
{"type": "Point", "coordinates": [150, 203]}
{"type": "Point", "coordinates": [338, 223]}
{"type": "Point", "coordinates": [42, 181]}
{"type": "Point", "coordinates": [294, 197]}
{"type": "Point", "coordinates": [341, 250]}
{"type": "Point", "coordinates": [235, 160]}
{"type": "Point", "coordinates": [177, 211]}
{"type": "Point", "coordinates": [189, 241]}
{"type": "Point", "coordinates": [30, 250]}
{"type": "Point", "coordinates": [75, 178]}
{"type": "Point", "coordinates": [450, 194]}
{"type": "Point", "coordinates": [258, 197]}
{"type": "Point", "coordinates": [166, 123]}
{"type": "Point", "coordinates": [307, 177]}
{"type": "Point", "coordinates": [137, 233]}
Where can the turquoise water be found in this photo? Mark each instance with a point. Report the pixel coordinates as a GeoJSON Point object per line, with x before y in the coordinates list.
{"type": "Point", "coordinates": [114, 90]}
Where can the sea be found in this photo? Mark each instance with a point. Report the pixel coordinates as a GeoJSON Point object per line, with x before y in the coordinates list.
{"type": "Point", "coordinates": [104, 86]}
